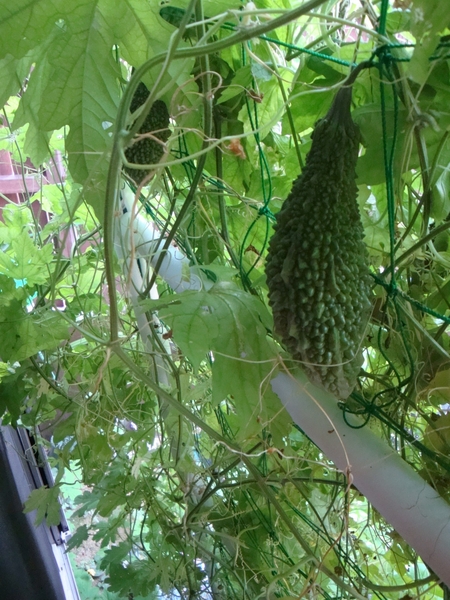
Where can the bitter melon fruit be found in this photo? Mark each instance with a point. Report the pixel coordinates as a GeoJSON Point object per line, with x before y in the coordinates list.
{"type": "Point", "coordinates": [148, 150]}
{"type": "Point", "coordinates": [317, 265]}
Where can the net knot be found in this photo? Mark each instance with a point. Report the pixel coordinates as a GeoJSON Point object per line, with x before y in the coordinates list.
{"type": "Point", "coordinates": [264, 211]}
{"type": "Point", "coordinates": [392, 289]}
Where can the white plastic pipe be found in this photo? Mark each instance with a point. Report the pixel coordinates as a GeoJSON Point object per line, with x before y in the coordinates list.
{"type": "Point", "coordinates": [135, 271]}
{"type": "Point", "coordinates": [406, 501]}
{"type": "Point", "coordinates": [141, 238]}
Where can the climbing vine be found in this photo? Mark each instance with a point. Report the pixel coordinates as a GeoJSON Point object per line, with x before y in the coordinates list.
{"type": "Point", "coordinates": [136, 339]}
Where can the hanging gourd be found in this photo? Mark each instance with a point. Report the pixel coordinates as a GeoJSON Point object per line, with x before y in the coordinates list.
{"type": "Point", "coordinates": [317, 265]}
{"type": "Point", "coordinates": [148, 150]}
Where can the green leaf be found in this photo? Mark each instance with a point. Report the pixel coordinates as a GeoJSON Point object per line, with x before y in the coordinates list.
{"type": "Point", "coordinates": [9, 291]}
{"type": "Point", "coordinates": [13, 394]}
{"type": "Point", "coordinates": [36, 145]}
{"type": "Point", "coordinates": [18, 340]}
{"type": "Point", "coordinates": [134, 580]}
{"type": "Point", "coordinates": [4, 370]}
{"type": "Point", "coordinates": [307, 106]}
{"type": "Point", "coordinates": [440, 206]}
{"type": "Point", "coordinates": [50, 328]}
{"type": "Point", "coordinates": [140, 29]}
{"type": "Point", "coordinates": [108, 502]}
{"type": "Point", "coordinates": [26, 262]}
{"type": "Point", "coordinates": [25, 334]}
{"type": "Point", "coordinates": [116, 554]}
{"type": "Point", "coordinates": [370, 168]}
{"type": "Point", "coordinates": [16, 218]}
{"type": "Point", "coordinates": [271, 108]}
{"type": "Point", "coordinates": [232, 325]}
{"type": "Point", "coordinates": [242, 79]}
{"type": "Point", "coordinates": [74, 83]}
{"type": "Point", "coordinates": [46, 502]}
{"type": "Point", "coordinates": [82, 91]}
{"type": "Point", "coordinates": [429, 17]}
{"type": "Point", "coordinates": [80, 536]}
{"type": "Point", "coordinates": [12, 73]}
{"type": "Point", "coordinates": [51, 198]}
{"type": "Point", "coordinates": [25, 24]}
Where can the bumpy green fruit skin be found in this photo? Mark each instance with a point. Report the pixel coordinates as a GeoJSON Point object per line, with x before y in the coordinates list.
{"type": "Point", "coordinates": [317, 265]}
{"type": "Point", "coordinates": [148, 150]}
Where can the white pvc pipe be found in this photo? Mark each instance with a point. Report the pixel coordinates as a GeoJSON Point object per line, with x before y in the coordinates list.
{"type": "Point", "coordinates": [142, 239]}
{"type": "Point", "coordinates": [405, 500]}
{"type": "Point", "coordinates": [135, 270]}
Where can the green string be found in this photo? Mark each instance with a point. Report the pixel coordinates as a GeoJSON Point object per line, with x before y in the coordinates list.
{"type": "Point", "coordinates": [173, 15]}
{"type": "Point", "coordinates": [342, 555]}
{"type": "Point", "coordinates": [301, 50]}
{"type": "Point", "coordinates": [273, 535]}
{"type": "Point", "coordinates": [384, 61]}
{"type": "Point", "coordinates": [384, 65]}
{"type": "Point", "coordinates": [373, 407]}
{"type": "Point", "coordinates": [369, 409]}
{"type": "Point", "coordinates": [412, 301]}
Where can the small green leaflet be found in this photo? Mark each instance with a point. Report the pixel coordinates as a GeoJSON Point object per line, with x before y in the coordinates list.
{"type": "Point", "coordinates": [9, 291]}
{"type": "Point", "coordinates": [80, 536]}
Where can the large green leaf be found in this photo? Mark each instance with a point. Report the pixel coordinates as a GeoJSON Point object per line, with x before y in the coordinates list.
{"type": "Point", "coordinates": [12, 73]}
{"type": "Point", "coordinates": [26, 23]}
{"type": "Point", "coordinates": [232, 325]}
{"type": "Point", "coordinates": [82, 91]}
{"type": "Point", "coordinates": [75, 83]}
{"type": "Point", "coordinates": [139, 29]}
{"type": "Point", "coordinates": [36, 141]}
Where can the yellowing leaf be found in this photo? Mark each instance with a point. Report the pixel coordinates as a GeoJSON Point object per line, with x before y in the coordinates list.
{"type": "Point", "coordinates": [438, 436]}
